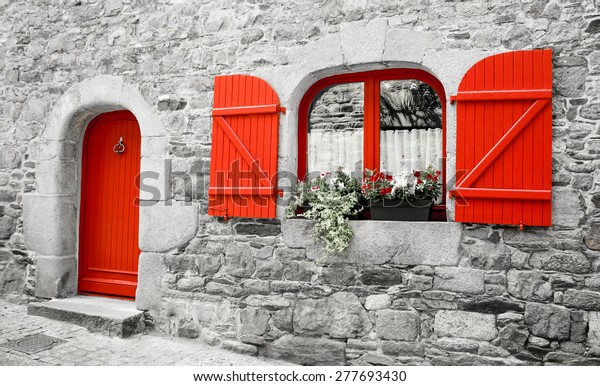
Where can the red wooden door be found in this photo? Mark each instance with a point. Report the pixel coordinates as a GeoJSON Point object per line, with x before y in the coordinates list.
{"type": "Point", "coordinates": [504, 140]}
{"type": "Point", "coordinates": [108, 229]}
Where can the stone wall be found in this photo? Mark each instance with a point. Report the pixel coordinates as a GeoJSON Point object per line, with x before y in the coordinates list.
{"type": "Point", "coordinates": [487, 295]}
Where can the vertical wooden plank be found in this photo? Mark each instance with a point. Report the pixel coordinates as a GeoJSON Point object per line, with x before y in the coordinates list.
{"type": "Point", "coordinates": [497, 171]}
{"type": "Point", "coordinates": [528, 144]}
{"type": "Point", "coordinates": [507, 121]}
{"type": "Point", "coordinates": [547, 137]}
{"type": "Point", "coordinates": [519, 108]}
{"type": "Point", "coordinates": [537, 139]}
{"type": "Point", "coordinates": [471, 143]}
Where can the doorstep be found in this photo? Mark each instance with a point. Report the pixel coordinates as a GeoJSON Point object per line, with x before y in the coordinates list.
{"type": "Point", "coordinates": [114, 317]}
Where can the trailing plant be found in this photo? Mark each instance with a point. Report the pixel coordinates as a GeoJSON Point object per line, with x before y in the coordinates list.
{"type": "Point", "coordinates": [331, 199]}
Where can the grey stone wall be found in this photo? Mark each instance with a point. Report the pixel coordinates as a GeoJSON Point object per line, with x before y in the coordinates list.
{"type": "Point", "coordinates": [490, 295]}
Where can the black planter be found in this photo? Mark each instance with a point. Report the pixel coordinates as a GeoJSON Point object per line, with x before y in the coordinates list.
{"type": "Point", "coordinates": [401, 210]}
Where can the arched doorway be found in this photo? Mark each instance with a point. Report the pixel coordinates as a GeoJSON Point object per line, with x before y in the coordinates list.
{"type": "Point", "coordinates": [109, 218]}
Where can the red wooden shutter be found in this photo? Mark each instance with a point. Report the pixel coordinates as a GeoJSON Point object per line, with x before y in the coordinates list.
{"type": "Point", "coordinates": [243, 164]}
{"type": "Point", "coordinates": [504, 140]}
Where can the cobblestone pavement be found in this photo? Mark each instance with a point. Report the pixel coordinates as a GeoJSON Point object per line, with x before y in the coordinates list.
{"type": "Point", "coordinates": [86, 348]}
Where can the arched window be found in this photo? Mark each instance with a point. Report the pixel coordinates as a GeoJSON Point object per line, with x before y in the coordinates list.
{"type": "Point", "coordinates": [388, 120]}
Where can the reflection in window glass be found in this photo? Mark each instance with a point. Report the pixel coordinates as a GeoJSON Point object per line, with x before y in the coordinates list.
{"type": "Point", "coordinates": [335, 129]}
{"type": "Point", "coordinates": [411, 127]}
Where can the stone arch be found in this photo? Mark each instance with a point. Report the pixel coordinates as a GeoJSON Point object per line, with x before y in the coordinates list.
{"type": "Point", "coordinates": [50, 214]}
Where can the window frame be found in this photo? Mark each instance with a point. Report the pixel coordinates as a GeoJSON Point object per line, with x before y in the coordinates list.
{"type": "Point", "coordinates": [372, 129]}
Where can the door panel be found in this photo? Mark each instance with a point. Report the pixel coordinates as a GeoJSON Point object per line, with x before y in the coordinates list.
{"type": "Point", "coordinates": [108, 229]}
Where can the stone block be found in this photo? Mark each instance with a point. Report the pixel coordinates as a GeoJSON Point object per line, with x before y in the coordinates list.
{"type": "Point", "coordinates": [592, 237]}
{"type": "Point", "coordinates": [420, 283]}
{"type": "Point", "coordinates": [49, 224]}
{"type": "Point", "coordinates": [377, 360]}
{"type": "Point", "coordinates": [56, 176]}
{"type": "Point", "coordinates": [56, 276]}
{"type": "Point", "coordinates": [378, 302]}
{"type": "Point", "coordinates": [258, 229]}
{"type": "Point", "coordinates": [513, 337]}
{"type": "Point", "coordinates": [397, 325]}
{"type": "Point", "coordinates": [593, 336]}
{"type": "Point", "coordinates": [239, 347]}
{"type": "Point", "coordinates": [529, 285]}
{"type": "Point", "coordinates": [7, 227]}
{"type": "Point", "coordinates": [567, 208]}
{"type": "Point", "coordinates": [271, 269]}
{"type": "Point", "coordinates": [495, 305]}
{"type": "Point", "coordinates": [254, 321]}
{"type": "Point", "coordinates": [465, 280]}
{"type": "Point", "coordinates": [363, 43]}
{"type": "Point", "coordinates": [409, 45]}
{"type": "Point", "coordinates": [348, 318]}
{"type": "Point", "coordinates": [10, 158]}
{"type": "Point", "coordinates": [298, 271]}
{"type": "Point", "coordinates": [457, 345]}
{"type": "Point", "coordinates": [164, 227]}
{"type": "Point", "coordinates": [548, 320]}
{"type": "Point", "coordinates": [254, 286]}
{"type": "Point", "coordinates": [462, 324]}
{"type": "Point", "coordinates": [283, 253]}
{"type": "Point", "coordinates": [403, 349]}
{"type": "Point", "coordinates": [306, 351]}
{"type": "Point", "coordinates": [151, 269]}
{"type": "Point", "coordinates": [223, 289]}
{"type": "Point", "coordinates": [340, 316]}
{"type": "Point", "coordinates": [319, 54]}
{"type": "Point", "coordinates": [527, 240]}
{"type": "Point", "coordinates": [382, 276]}
{"type": "Point", "coordinates": [575, 262]}
{"type": "Point", "coordinates": [238, 261]}
{"type": "Point", "coordinates": [269, 302]}
{"type": "Point", "coordinates": [582, 299]}
{"type": "Point", "coordinates": [338, 276]}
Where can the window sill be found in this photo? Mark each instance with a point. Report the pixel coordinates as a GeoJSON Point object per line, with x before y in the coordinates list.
{"type": "Point", "coordinates": [383, 242]}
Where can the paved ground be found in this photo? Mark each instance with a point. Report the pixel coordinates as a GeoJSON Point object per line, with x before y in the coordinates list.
{"type": "Point", "coordinates": [94, 349]}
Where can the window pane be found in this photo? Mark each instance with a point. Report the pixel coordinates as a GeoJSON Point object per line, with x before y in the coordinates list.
{"type": "Point", "coordinates": [411, 127]}
{"type": "Point", "coordinates": [335, 129]}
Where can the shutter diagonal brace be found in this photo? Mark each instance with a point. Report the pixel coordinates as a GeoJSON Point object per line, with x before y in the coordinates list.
{"type": "Point", "coordinates": [237, 142]}
{"type": "Point", "coordinates": [497, 150]}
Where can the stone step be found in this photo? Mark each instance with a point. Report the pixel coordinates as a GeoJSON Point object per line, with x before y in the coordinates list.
{"type": "Point", "coordinates": [114, 317]}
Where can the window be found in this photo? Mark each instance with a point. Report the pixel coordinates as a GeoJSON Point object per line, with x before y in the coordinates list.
{"type": "Point", "coordinates": [388, 120]}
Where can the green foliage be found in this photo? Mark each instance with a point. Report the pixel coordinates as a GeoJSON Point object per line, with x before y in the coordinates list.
{"type": "Point", "coordinates": [332, 200]}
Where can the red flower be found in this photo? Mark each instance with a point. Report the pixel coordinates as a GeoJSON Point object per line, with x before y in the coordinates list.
{"type": "Point", "coordinates": [437, 172]}
{"type": "Point", "coordinates": [419, 181]}
{"type": "Point", "coordinates": [389, 178]}
{"type": "Point", "coordinates": [429, 177]}
{"type": "Point", "coordinates": [417, 174]}
{"type": "Point", "coordinates": [385, 191]}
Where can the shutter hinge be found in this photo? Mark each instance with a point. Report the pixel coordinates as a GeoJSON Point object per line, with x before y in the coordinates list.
{"type": "Point", "coordinates": [281, 109]}
{"type": "Point", "coordinates": [521, 226]}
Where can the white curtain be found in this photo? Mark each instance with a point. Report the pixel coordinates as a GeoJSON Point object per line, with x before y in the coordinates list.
{"type": "Point", "coordinates": [330, 149]}
{"type": "Point", "coordinates": [411, 150]}
{"type": "Point", "coordinates": [414, 149]}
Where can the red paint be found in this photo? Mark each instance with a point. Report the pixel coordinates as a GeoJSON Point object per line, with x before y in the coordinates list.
{"type": "Point", "coordinates": [371, 80]}
{"type": "Point", "coordinates": [243, 166]}
{"type": "Point", "coordinates": [108, 226]}
{"type": "Point", "coordinates": [504, 140]}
